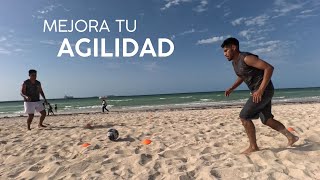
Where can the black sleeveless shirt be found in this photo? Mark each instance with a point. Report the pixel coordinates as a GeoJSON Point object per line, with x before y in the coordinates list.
{"type": "Point", "coordinates": [251, 75]}
{"type": "Point", "coordinates": [32, 90]}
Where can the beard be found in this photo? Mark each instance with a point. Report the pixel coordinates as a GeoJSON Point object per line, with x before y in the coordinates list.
{"type": "Point", "coordinates": [231, 56]}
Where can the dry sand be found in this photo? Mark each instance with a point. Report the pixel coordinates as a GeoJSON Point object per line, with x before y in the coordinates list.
{"type": "Point", "coordinates": [186, 144]}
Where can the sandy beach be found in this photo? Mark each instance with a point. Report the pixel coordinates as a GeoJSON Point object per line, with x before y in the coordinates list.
{"type": "Point", "coordinates": [186, 144]}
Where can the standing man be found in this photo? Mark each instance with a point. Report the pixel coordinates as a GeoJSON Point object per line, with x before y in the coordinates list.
{"type": "Point", "coordinates": [55, 108]}
{"type": "Point", "coordinates": [30, 91]}
{"type": "Point", "coordinates": [256, 73]}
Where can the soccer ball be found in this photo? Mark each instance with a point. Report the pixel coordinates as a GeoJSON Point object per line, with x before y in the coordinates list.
{"type": "Point", "coordinates": [113, 134]}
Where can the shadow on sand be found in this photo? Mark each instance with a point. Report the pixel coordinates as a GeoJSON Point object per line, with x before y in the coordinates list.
{"type": "Point", "coordinates": [90, 127]}
{"type": "Point", "coordinates": [307, 146]}
{"type": "Point", "coordinates": [127, 139]}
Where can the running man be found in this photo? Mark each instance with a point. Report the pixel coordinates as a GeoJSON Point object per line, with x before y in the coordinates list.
{"type": "Point", "coordinates": [256, 73]}
{"type": "Point", "coordinates": [30, 91]}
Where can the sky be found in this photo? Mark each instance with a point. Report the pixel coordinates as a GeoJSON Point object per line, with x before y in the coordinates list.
{"type": "Point", "coordinates": [282, 32]}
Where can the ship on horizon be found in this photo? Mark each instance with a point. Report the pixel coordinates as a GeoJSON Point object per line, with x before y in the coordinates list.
{"type": "Point", "coordinates": [68, 97]}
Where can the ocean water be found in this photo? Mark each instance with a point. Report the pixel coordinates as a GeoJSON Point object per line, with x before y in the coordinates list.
{"type": "Point", "coordinates": [116, 103]}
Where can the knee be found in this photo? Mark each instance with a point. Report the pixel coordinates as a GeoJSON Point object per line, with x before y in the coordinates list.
{"type": "Point", "coordinates": [43, 114]}
{"type": "Point", "coordinates": [31, 116]}
{"type": "Point", "coordinates": [243, 121]}
{"type": "Point", "coordinates": [268, 122]}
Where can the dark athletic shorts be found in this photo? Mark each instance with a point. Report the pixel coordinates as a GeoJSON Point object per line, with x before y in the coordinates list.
{"type": "Point", "coordinates": [252, 110]}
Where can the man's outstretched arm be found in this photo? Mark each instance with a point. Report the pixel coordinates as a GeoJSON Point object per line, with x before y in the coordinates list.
{"type": "Point", "coordinates": [234, 86]}
{"type": "Point", "coordinates": [237, 83]}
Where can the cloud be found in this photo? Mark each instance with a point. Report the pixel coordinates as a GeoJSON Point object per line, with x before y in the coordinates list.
{"type": "Point", "coordinates": [238, 21]}
{"type": "Point", "coordinates": [45, 10]}
{"type": "Point", "coordinates": [302, 16]}
{"type": "Point", "coordinates": [41, 13]}
{"type": "Point", "coordinates": [220, 4]}
{"type": "Point", "coordinates": [211, 40]}
{"type": "Point", "coordinates": [274, 50]}
{"type": "Point", "coordinates": [264, 50]}
{"type": "Point", "coordinates": [191, 31]}
{"type": "Point", "coordinates": [268, 43]}
{"type": "Point", "coordinates": [18, 50]}
{"type": "Point", "coordinates": [245, 33]}
{"type": "Point", "coordinates": [38, 17]}
{"type": "Point", "coordinates": [258, 43]}
{"type": "Point", "coordinates": [151, 66]}
{"type": "Point", "coordinates": [187, 32]}
{"type": "Point", "coordinates": [2, 39]}
{"type": "Point", "coordinates": [255, 33]}
{"type": "Point", "coordinates": [227, 12]}
{"type": "Point", "coordinates": [282, 7]}
{"type": "Point", "coordinates": [202, 31]}
{"type": "Point", "coordinates": [258, 20]}
{"type": "Point", "coordinates": [4, 51]}
{"type": "Point", "coordinates": [9, 48]}
{"type": "Point", "coordinates": [306, 14]}
{"type": "Point", "coordinates": [201, 7]}
{"type": "Point", "coordinates": [50, 42]}
{"type": "Point", "coordinates": [10, 44]}
{"type": "Point", "coordinates": [253, 42]}
{"type": "Point", "coordinates": [173, 3]}
{"type": "Point", "coordinates": [307, 11]}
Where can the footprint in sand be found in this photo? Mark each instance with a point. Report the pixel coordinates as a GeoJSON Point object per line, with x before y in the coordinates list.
{"type": "Point", "coordinates": [137, 150]}
{"type": "Point", "coordinates": [153, 176]}
{"type": "Point", "coordinates": [115, 168]}
{"type": "Point", "coordinates": [206, 150]}
{"type": "Point", "coordinates": [36, 168]}
{"type": "Point", "coordinates": [119, 152]}
{"type": "Point", "coordinates": [218, 144]}
{"type": "Point", "coordinates": [215, 174]}
{"type": "Point", "coordinates": [107, 161]}
{"type": "Point", "coordinates": [144, 159]}
{"type": "Point", "coordinates": [187, 176]}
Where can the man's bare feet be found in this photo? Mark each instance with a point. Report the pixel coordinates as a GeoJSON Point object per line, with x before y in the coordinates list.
{"type": "Point", "coordinates": [41, 125]}
{"type": "Point", "coordinates": [250, 150]}
{"type": "Point", "coordinates": [292, 140]}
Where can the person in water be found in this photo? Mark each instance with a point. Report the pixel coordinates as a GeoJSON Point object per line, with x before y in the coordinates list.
{"type": "Point", "coordinates": [30, 91]}
{"type": "Point", "coordinates": [256, 73]}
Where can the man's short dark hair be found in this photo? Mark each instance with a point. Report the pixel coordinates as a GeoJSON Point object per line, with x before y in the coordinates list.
{"type": "Point", "coordinates": [230, 41]}
{"type": "Point", "coordinates": [31, 71]}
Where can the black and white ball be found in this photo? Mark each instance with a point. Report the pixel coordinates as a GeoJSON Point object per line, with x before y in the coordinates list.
{"type": "Point", "coordinates": [113, 134]}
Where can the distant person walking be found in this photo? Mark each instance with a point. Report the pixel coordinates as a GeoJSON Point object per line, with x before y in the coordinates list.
{"type": "Point", "coordinates": [30, 91]}
{"type": "Point", "coordinates": [55, 108]}
{"type": "Point", "coordinates": [50, 109]}
{"type": "Point", "coordinates": [104, 106]}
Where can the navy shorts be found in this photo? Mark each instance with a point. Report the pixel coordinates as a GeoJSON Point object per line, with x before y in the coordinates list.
{"type": "Point", "coordinates": [252, 110]}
